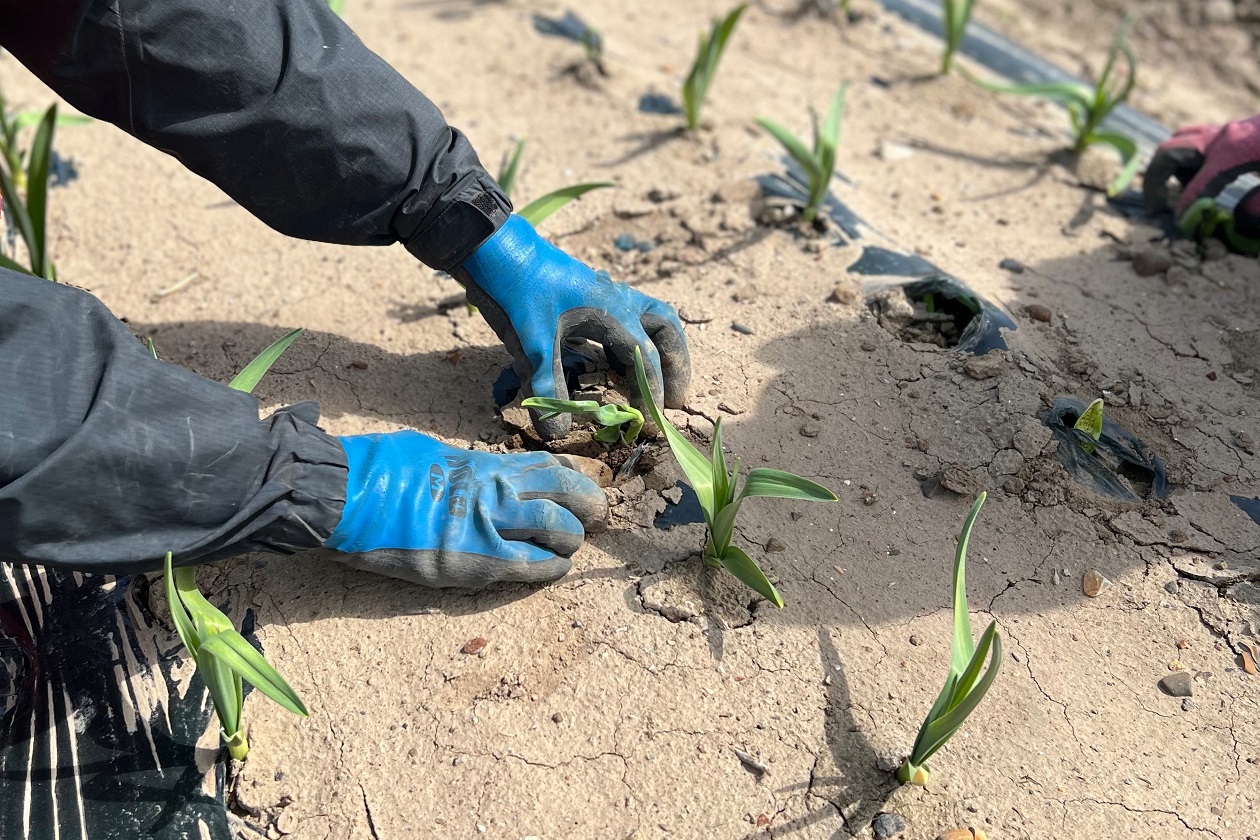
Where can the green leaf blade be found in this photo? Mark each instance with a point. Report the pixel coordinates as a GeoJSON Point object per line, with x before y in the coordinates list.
{"type": "Point", "coordinates": [540, 208]}
{"type": "Point", "coordinates": [37, 192]}
{"type": "Point", "coordinates": [770, 483]}
{"type": "Point", "coordinates": [944, 727]}
{"type": "Point", "coordinates": [963, 645]}
{"type": "Point", "coordinates": [695, 466]}
{"type": "Point", "coordinates": [253, 372]}
{"type": "Point", "coordinates": [232, 649]}
{"type": "Point", "coordinates": [507, 171]}
{"type": "Point", "coordinates": [743, 567]}
{"type": "Point", "coordinates": [793, 146]}
{"type": "Point", "coordinates": [1091, 420]}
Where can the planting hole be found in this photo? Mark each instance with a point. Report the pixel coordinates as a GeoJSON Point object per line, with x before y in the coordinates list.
{"type": "Point", "coordinates": [686, 512]}
{"type": "Point", "coordinates": [1118, 464]}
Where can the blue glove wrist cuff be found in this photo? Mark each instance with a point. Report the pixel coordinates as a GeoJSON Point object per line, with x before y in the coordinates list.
{"type": "Point", "coordinates": [498, 263]}
{"type": "Point", "coordinates": [376, 486]}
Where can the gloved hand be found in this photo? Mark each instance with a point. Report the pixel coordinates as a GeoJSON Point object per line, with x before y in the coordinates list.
{"type": "Point", "coordinates": [534, 296]}
{"type": "Point", "coordinates": [438, 516]}
{"type": "Point", "coordinates": [1206, 159]}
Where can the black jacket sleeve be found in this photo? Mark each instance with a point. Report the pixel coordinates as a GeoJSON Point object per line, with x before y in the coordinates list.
{"type": "Point", "coordinates": [279, 104]}
{"type": "Point", "coordinates": [110, 458]}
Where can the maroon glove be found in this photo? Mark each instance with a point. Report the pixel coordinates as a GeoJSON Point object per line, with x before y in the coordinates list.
{"type": "Point", "coordinates": [1206, 159]}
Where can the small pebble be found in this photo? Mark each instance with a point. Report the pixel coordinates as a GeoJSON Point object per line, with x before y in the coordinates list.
{"type": "Point", "coordinates": [915, 640]}
{"type": "Point", "coordinates": [474, 646]}
{"type": "Point", "coordinates": [742, 329]}
{"type": "Point", "coordinates": [558, 717]}
{"type": "Point", "coordinates": [1178, 684]}
{"type": "Point", "coordinates": [1172, 587]}
{"type": "Point", "coordinates": [1187, 704]}
{"type": "Point", "coordinates": [888, 826]}
{"type": "Point", "coordinates": [1012, 265]}
{"type": "Point", "coordinates": [868, 347]}
{"type": "Point", "coordinates": [844, 293]}
{"type": "Point", "coordinates": [1094, 583]}
{"type": "Point", "coordinates": [773, 545]}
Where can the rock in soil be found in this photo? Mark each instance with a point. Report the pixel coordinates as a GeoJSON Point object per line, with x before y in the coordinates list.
{"type": "Point", "coordinates": [1094, 583]}
{"type": "Point", "coordinates": [774, 546]}
{"type": "Point", "coordinates": [844, 293]}
{"type": "Point", "coordinates": [1151, 260]}
{"type": "Point", "coordinates": [888, 826]}
{"type": "Point", "coordinates": [1177, 684]}
{"type": "Point", "coordinates": [474, 646]}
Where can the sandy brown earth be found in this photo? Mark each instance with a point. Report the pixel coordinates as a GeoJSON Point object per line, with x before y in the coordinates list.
{"type": "Point", "coordinates": [609, 704]}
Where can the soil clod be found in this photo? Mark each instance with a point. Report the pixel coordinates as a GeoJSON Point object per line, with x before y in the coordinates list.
{"type": "Point", "coordinates": [1151, 260]}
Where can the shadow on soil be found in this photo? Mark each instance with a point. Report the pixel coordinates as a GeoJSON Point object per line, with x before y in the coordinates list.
{"type": "Point", "coordinates": [849, 404]}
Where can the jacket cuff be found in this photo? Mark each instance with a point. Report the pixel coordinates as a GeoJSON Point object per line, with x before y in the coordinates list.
{"type": "Point", "coordinates": [477, 209]}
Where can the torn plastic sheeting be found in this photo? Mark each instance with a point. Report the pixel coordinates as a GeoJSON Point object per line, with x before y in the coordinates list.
{"type": "Point", "coordinates": [1119, 464]}
{"type": "Point", "coordinates": [983, 331]}
{"type": "Point", "coordinates": [792, 186]}
{"type": "Point", "coordinates": [1251, 507]}
{"type": "Point", "coordinates": [98, 739]}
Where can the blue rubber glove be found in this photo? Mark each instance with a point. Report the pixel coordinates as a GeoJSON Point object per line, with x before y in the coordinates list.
{"type": "Point", "coordinates": [534, 296]}
{"type": "Point", "coordinates": [438, 516]}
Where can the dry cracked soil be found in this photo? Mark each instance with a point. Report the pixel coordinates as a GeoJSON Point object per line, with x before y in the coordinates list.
{"type": "Point", "coordinates": [611, 703]}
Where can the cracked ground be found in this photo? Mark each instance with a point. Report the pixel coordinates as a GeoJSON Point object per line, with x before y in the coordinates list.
{"type": "Point", "coordinates": [610, 704]}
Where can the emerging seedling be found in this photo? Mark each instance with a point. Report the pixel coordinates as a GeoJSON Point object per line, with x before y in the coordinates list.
{"type": "Point", "coordinates": [956, 14]}
{"type": "Point", "coordinates": [540, 208]}
{"type": "Point", "coordinates": [820, 163]}
{"type": "Point", "coordinates": [964, 686]}
{"type": "Point", "coordinates": [617, 422]}
{"type": "Point", "coordinates": [24, 194]}
{"type": "Point", "coordinates": [715, 485]}
{"type": "Point", "coordinates": [1088, 107]}
{"type": "Point", "coordinates": [224, 659]}
{"type": "Point", "coordinates": [593, 43]}
{"type": "Point", "coordinates": [704, 67]}
{"type": "Point", "coordinates": [1091, 423]}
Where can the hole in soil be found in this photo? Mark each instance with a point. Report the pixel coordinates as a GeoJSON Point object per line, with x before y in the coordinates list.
{"type": "Point", "coordinates": [686, 512]}
{"type": "Point", "coordinates": [1118, 464]}
{"type": "Point", "coordinates": [933, 308]}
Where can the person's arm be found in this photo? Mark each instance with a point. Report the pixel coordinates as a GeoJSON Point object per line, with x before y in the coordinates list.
{"type": "Point", "coordinates": [110, 458]}
{"type": "Point", "coordinates": [279, 104]}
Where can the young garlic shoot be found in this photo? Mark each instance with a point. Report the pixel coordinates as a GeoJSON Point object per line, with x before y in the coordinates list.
{"type": "Point", "coordinates": [964, 686]}
{"type": "Point", "coordinates": [715, 486]}
{"type": "Point", "coordinates": [225, 660]}
{"type": "Point", "coordinates": [618, 423]}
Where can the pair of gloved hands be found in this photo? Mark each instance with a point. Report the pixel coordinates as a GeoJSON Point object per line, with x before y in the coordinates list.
{"type": "Point", "coordinates": [432, 514]}
{"type": "Point", "coordinates": [1205, 159]}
